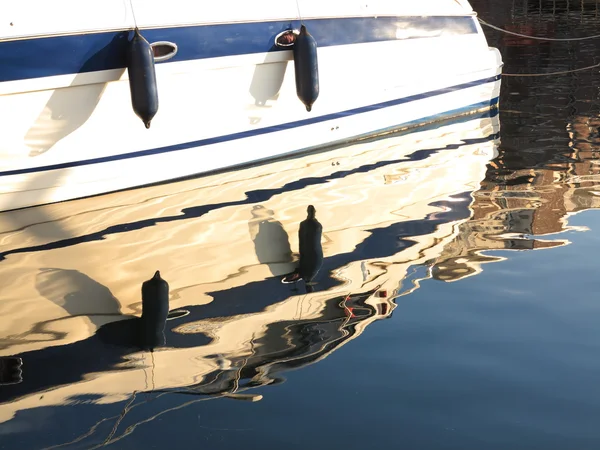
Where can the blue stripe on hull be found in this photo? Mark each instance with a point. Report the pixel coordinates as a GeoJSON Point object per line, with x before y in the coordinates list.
{"type": "Point", "coordinates": [62, 55]}
{"type": "Point", "coordinates": [259, 195]}
{"type": "Point", "coordinates": [260, 131]}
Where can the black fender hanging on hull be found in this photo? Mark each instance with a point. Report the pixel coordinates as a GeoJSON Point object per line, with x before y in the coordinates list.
{"type": "Point", "coordinates": [142, 79]}
{"type": "Point", "coordinates": [155, 309]}
{"type": "Point", "coordinates": [306, 68]}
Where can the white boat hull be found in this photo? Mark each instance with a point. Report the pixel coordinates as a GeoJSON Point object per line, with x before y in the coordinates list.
{"type": "Point", "coordinates": [74, 135]}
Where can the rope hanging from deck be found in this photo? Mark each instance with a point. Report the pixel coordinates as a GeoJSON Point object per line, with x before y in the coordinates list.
{"type": "Point", "coordinates": [562, 72]}
{"type": "Point", "coordinates": [584, 38]}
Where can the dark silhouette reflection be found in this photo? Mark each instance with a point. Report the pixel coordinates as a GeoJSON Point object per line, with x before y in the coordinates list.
{"type": "Point", "coordinates": [271, 242]}
{"type": "Point", "coordinates": [155, 308]}
{"type": "Point", "coordinates": [148, 331]}
{"type": "Point", "coordinates": [10, 370]}
{"type": "Point", "coordinates": [310, 248]}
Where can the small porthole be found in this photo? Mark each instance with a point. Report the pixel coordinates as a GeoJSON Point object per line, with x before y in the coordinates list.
{"type": "Point", "coordinates": [163, 50]}
{"type": "Point", "coordinates": [286, 38]}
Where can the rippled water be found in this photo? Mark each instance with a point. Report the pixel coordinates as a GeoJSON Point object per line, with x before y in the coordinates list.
{"type": "Point", "coordinates": [431, 324]}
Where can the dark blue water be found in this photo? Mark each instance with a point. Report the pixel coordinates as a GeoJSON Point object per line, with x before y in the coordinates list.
{"type": "Point", "coordinates": [462, 314]}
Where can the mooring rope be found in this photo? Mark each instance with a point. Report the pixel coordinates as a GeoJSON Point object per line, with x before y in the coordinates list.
{"type": "Point", "coordinates": [584, 38]}
{"type": "Point", "coordinates": [561, 72]}
{"type": "Point", "coordinates": [133, 14]}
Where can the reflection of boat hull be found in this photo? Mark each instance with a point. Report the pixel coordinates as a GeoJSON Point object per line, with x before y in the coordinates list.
{"type": "Point", "coordinates": [385, 205]}
{"type": "Point", "coordinates": [69, 135]}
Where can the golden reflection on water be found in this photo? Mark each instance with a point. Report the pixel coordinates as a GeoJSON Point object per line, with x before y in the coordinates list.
{"type": "Point", "coordinates": [395, 212]}
{"type": "Point", "coordinates": [72, 272]}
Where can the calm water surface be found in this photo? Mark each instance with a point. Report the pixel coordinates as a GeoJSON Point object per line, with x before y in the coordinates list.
{"type": "Point", "coordinates": [456, 306]}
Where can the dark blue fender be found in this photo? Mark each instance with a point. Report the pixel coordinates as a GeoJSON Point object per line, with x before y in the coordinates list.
{"type": "Point", "coordinates": [142, 79]}
{"type": "Point", "coordinates": [155, 309]}
{"type": "Point", "coordinates": [307, 68]}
